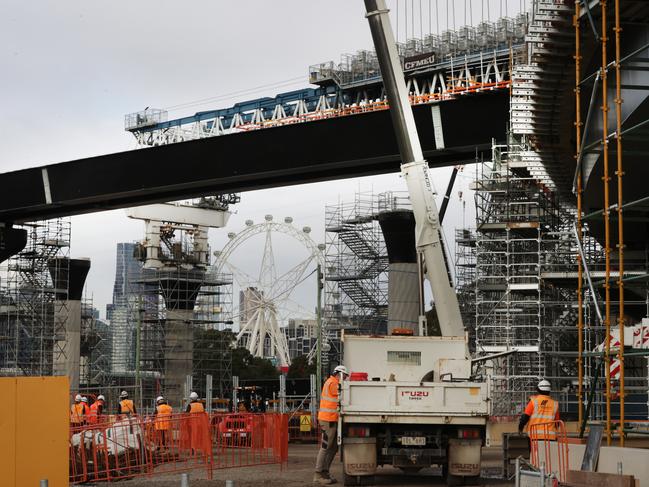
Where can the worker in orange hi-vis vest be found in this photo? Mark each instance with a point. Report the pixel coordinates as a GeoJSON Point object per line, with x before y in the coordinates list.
{"type": "Point", "coordinates": [77, 416]}
{"type": "Point", "coordinates": [86, 408]}
{"type": "Point", "coordinates": [125, 406]}
{"type": "Point", "coordinates": [198, 424]}
{"type": "Point", "coordinates": [162, 415]}
{"type": "Point", "coordinates": [328, 420]}
{"type": "Point", "coordinates": [541, 410]}
{"type": "Point", "coordinates": [96, 410]}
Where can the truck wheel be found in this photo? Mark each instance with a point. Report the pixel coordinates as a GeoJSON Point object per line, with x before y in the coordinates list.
{"type": "Point", "coordinates": [349, 479]}
{"type": "Point", "coordinates": [358, 479]}
{"type": "Point", "coordinates": [454, 480]}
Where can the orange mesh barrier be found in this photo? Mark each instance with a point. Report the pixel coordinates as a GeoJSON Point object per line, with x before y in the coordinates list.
{"type": "Point", "coordinates": [549, 446]}
{"type": "Point", "coordinates": [123, 448]}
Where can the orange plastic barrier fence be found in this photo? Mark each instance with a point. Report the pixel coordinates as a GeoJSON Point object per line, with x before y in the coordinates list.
{"type": "Point", "coordinates": [126, 447]}
{"type": "Point", "coordinates": [549, 445]}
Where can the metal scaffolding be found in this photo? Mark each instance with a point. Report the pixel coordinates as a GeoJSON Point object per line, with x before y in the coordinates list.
{"type": "Point", "coordinates": [176, 319]}
{"type": "Point", "coordinates": [32, 335]}
{"type": "Point", "coordinates": [521, 263]}
{"type": "Point", "coordinates": [356, 260]}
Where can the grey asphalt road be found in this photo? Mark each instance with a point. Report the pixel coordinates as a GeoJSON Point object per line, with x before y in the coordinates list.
{"type": "Point", "coordinates": [299, 472]}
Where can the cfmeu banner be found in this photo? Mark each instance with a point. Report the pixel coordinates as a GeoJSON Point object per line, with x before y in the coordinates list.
{"type": "Point", "coordinates": [419, 61]}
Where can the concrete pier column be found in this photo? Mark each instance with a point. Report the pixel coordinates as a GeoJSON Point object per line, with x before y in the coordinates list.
{"type": "Point", "coordinates": [398, 229]}
{"type": "Point", "coordinates": [179, 290]}
{"type": "Point", "coordinates": [69, 278]}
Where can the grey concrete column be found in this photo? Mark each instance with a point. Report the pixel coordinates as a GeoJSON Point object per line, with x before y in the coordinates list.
{"type": "Point", "coordinates": [69, 278]}
{"type": "Point", "coordinates": [179, 290]}
{"type": "Point", "coordinates": [398, 229]}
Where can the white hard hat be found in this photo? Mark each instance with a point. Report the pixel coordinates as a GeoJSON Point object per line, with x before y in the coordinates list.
{"type": "Point", "coordinates": [544, 386]}
{"type": "Point", "coordinates": [84, 399]}
{"type": "Point", "coordinates": [193, 396]}
{"type": "Point", "coordinates": [101, 397]}
{"type": "Point", "coordinates": [159, 398]}
{"type": "Point", "coordinates": [341, 369]}
{"type": "Point", "coordinates": [123, 394]}
{"type": "Point", "coordinates": [77, 397]}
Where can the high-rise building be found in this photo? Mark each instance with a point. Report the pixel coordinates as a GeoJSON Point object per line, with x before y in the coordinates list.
{"type": "Point", "coordinates": [127, 273]}
{"type": "Point", "coordinates": [301, 336]}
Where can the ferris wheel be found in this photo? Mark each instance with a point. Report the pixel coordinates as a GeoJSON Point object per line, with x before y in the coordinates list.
{"type": "Point", "coordinates": [266, 297]}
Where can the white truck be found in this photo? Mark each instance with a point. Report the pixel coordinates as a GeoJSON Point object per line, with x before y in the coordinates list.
{"type": "Point", "coordinates": [417, 407]}
{"type": "Point", "coordinates": [418, 404]}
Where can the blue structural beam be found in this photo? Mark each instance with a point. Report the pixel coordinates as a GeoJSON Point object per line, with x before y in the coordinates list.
{"type": "Point", "coordinates": [335, 148]}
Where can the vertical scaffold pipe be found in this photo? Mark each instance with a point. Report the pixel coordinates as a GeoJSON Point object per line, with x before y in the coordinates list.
{"type": "Point", "coordinates": [579, 189]}
{"type": "Point", "coordinates": [607, 222]}
{"type": "Point", "coordinates": [620, 202]}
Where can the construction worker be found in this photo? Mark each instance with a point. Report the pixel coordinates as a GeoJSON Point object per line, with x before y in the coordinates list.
{"type": "Point", "coordinates": [77, 416]}
{"type": "Point", "coordinates": [125, 405]}
{"type": "Point", "coordinates": [541, 410]}
{"type": "Point", "coordinates": [197, 425]}
{"type": "Point", "coordinates": [328, 420]}
{"type": "Point", "coordinates": [194, 406]}
{"type": "Point", "coordinates": [162, 420]}
{"type": "Point", "coordinates": [96, 410]}
{"type": "Point", "coordinates": [86, 408]}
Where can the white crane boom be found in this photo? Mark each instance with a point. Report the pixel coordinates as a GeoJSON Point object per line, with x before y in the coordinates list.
{"type": "Point", "coordinates": [415, 171]}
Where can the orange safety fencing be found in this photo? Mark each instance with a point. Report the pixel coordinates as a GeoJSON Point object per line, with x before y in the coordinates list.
{"type": "Point", "coordinates": [126, 447]}
{"type": "Point", "coordinates": [549, 448]}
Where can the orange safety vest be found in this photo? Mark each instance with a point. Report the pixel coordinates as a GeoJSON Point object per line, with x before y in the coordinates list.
{"type": "Point", "coordinates": [545, 411]}
{"type": "Point", "coordinates": [93, 415]}
{"type": "Point", "coordinates": [126, 406]}
{"type": "Point", "coordinates": [329, 400]}
{"type": "Point", "coordinates": [196, 407]}
{"type": "Point", "coordinates": [76, 413]}
{"type": "Point", "coordinates": [162, 420]}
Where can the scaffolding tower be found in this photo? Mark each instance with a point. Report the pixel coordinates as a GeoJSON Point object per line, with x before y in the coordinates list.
{"type": "Point", "coordinates": [187, 300]}
{"type": "Point", "coordinates": [524, 276]}
{"type": "Point", "coordinates": [32, 340]}
{"type": "Point", "coordinates": [356, 260]}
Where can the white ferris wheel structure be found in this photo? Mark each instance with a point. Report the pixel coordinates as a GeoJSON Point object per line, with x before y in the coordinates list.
{"type": "Point", "coordinates": [268, 295]}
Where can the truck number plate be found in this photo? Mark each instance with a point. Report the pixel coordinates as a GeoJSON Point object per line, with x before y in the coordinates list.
{"type": "Point", "coordinates": [413, 441]}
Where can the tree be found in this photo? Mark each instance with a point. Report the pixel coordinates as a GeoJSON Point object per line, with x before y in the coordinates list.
{"type": "Point", "coordinates": [248, 367]}
{"type": "Point", "coordinates": [301, 368]}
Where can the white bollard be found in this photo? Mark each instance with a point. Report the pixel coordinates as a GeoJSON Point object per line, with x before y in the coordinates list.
{"type": "Point", "coordinates": [229, 483]}
{"type": "Point", "coordinates": [43, 483]}
{"type": "Point", "coordinates": [184, 480]}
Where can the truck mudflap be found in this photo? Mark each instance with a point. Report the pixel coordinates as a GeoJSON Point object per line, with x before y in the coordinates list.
{"type": "Point", "coordinates": [359, 456]}
{"type": "Point", "coordinates": [464, 457]}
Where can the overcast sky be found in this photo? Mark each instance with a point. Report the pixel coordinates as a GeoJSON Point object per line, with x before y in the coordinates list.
{"type": "Point", "coordinates": [72, 69]}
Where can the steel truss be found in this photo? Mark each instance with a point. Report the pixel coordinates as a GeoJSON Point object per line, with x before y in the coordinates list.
{"type": "Point", "coordinates": [471, 60]}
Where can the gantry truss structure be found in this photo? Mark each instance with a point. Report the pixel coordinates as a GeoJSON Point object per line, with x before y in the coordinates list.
{"type": "Point", "coordinates": [356, 263]}
{"type": "Point", "coordinates": [438, 67]}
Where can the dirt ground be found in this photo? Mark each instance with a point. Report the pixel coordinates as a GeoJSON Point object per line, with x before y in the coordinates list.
{"type": "Point", "coordinates": [299, 472]}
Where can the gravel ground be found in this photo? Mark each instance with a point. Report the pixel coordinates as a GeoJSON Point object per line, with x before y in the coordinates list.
{"type": "Point", "coordinates": [299, 472]}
